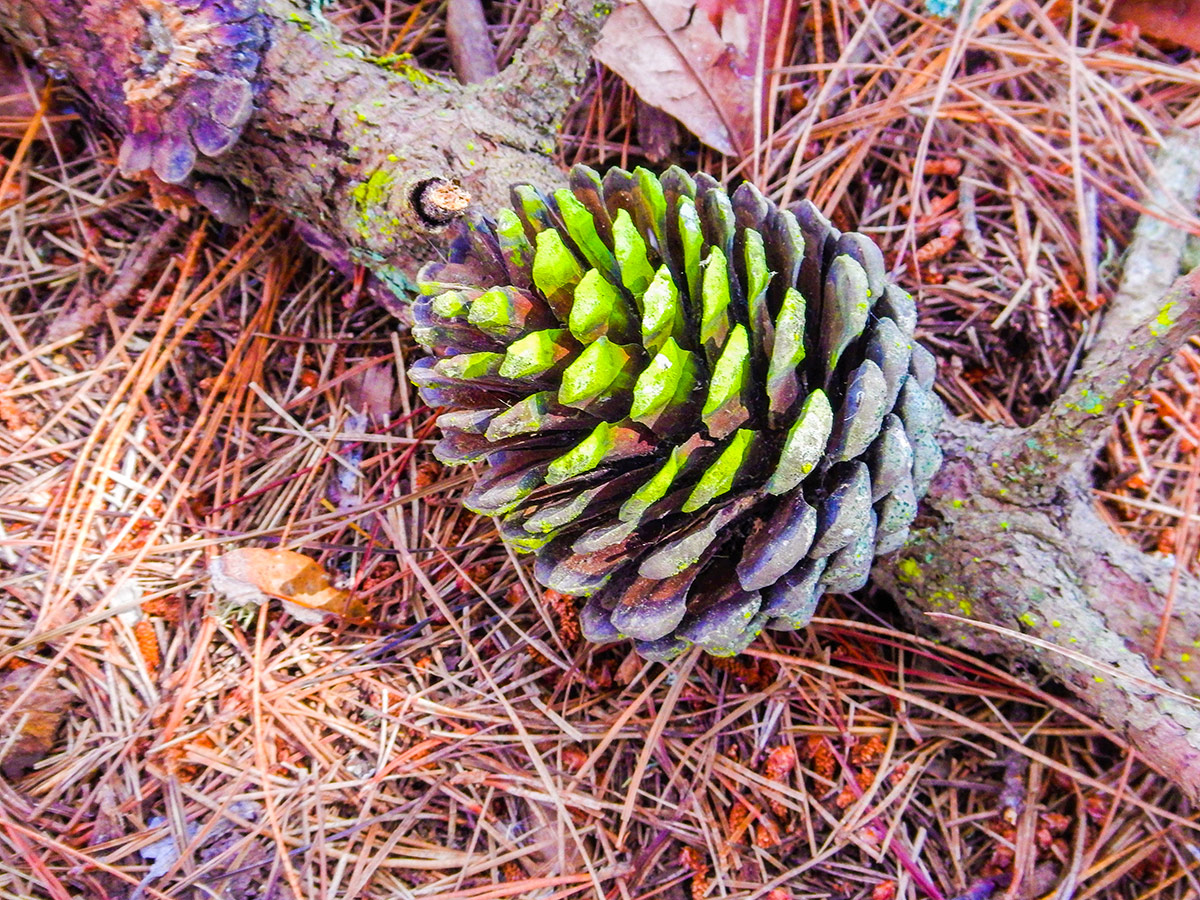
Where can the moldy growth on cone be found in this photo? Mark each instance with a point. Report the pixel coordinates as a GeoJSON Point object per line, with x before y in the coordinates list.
{"type": "Point", "coordinates": [699, 411]}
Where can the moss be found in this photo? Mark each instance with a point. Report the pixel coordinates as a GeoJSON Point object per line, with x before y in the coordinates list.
{"type": "Point", "coordinates": [910, 570]}
{"type": "Point", "coordinates": [373, 191]}
{"type": "Point", "coordinates": [1089, 403]}
{"type": "Point", "coordinates": [402, 65]}
{"type": "Point", "coordinates": [1036, 446]}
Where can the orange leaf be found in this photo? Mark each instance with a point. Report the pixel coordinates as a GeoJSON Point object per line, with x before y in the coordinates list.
{"type": "Point", "coordinates": [248, 576]}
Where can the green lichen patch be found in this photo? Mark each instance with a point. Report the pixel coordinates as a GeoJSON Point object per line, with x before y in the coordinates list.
{"type": "Point", "coordinates": [370, 197]}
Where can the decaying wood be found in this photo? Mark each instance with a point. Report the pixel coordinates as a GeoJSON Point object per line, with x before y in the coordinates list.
{"type": "Point", "coordinates": [1011, 557]}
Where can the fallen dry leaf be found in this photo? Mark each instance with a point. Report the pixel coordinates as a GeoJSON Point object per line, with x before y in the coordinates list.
{"type": "Point", "coordinates": [34, 722]}
{"type": "Point", "coordinates": [673, 56]}
{"type": "Point", "coordinates": [247, 577]}
{"type": "Point", "coordinates": [699, 61]}
{"type": "Point", "coordinates": [1177, 21]}
{"type": "Point", "coordinates": [371, 392]}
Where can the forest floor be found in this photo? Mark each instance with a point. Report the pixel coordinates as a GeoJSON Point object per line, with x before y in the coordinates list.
{"type": "Point", "coordinates": [172, 390]}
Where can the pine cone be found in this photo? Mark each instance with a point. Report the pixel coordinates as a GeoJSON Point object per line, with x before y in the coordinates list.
{"type": "Point", "coordinates": [701, 412]}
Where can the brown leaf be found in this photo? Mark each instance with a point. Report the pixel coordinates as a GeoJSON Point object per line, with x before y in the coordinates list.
{"type": "Point", "coordinates": [371, 392]}
{"type": "Point", "coordinates": [34, 722]}
{"type": "Point", "coordinates": [675, 59]}
{"type": "Point", "coordinates": [630, 666]}
{"type": "Point", "coordinates": [248, 576]}
{"type": "Point", "coordinates": [1177, 21]}
{"type": "Point", "coordinates": [698, 61]}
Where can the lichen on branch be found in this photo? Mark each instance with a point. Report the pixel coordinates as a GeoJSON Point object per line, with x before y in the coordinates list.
{"type": "Point", "coordinates": [1013, 558]}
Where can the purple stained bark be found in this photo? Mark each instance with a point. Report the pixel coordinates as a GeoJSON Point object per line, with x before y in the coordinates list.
{"type": "Point", "coordinates": [187, 73]}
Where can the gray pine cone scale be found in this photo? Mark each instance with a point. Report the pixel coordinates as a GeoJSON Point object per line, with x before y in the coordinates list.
{"type": "Point", "coordinates": [699, 411]}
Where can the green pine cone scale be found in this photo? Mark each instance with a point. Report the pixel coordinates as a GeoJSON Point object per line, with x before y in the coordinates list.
{"type": "Point", "coordinates": [699, 411]}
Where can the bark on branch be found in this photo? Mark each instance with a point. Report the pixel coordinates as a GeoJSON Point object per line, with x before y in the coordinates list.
{"type": "Point", "coordinates": [1012, 558]}
{"type": "Point", "coordinates": [340, 140]}
{"type": "Point", "coordinates": [1015, 560]}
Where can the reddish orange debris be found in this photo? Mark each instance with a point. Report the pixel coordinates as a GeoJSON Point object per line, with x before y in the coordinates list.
{"type": "Point", "coordinates": [147, 642]}
{"type": "Point", "coordinates": [780, 763]}
{"type": "Point", "coordinates": [867, 751]}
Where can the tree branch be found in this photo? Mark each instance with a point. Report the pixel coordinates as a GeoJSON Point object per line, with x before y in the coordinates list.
{"type": "Point", "coordinates": [471, 52]}
{"type": "Point", "coordinates": [1070, 598]}
{"type": "Point", "coordinates": [340, 140]}
{"type": "Point", "coordinates": [1147, 321]}
{"type": "Point", "coordinates": [1013, 558]}
{"type": "Point", "coordinates": [539, 86]}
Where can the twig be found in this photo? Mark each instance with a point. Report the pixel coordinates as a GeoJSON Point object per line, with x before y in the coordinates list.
{"type": "Point", "coordinates": [471, 50]}
{"type": "Point", "coordinates": [540, 84]}
{"type": "Point", "coordinates": [130, 277]}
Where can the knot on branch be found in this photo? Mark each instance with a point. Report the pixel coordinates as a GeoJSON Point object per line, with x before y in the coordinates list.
{"type": "Point", "coordinates": [438, 202]}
